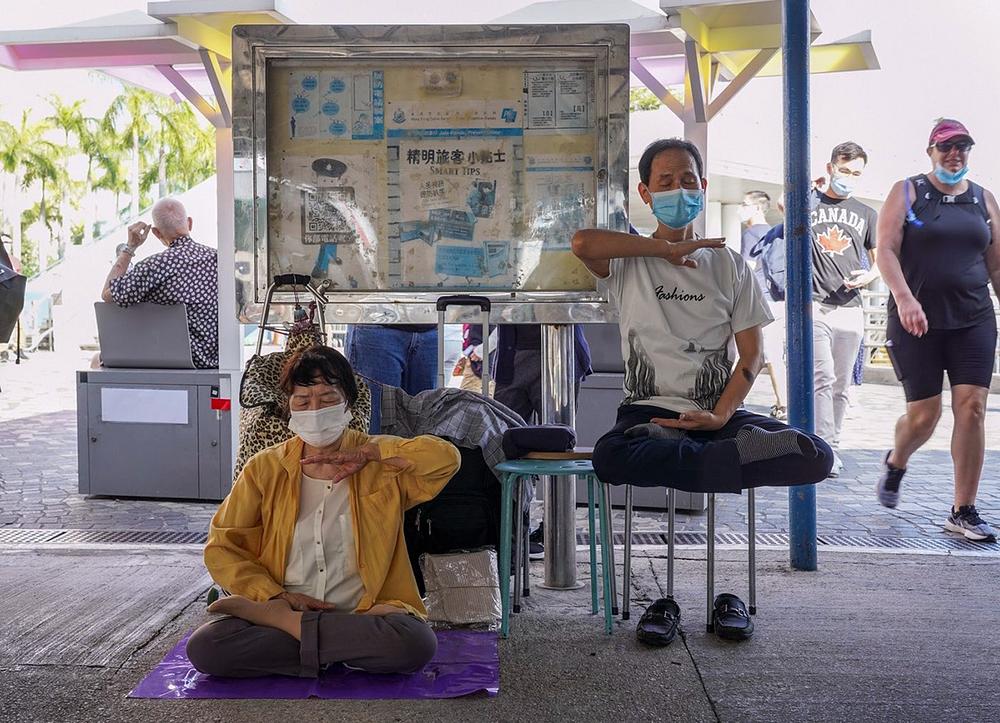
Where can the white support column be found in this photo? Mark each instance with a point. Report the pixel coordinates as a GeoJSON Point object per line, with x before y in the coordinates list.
{"type": "Point", "coordinates": [713, 219]}
{"type": "Point", "coordinates": [230, 339]}
{"type": "Point", "coordinates": [697, 133]}
{"type": "Point", "coordinates": [730, 225]}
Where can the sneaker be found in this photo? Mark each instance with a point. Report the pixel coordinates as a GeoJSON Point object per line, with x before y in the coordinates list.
{"type": "Point", "coordinates": [887, 487]}
{"type": "Point", "coordinates": [780, 413]}
{"type": "Point", "coordinates": [966, 521]}
{"type": "Point", "coordinates": [536, 550]}
{"type": "Point", "coordinates": [838, 466]}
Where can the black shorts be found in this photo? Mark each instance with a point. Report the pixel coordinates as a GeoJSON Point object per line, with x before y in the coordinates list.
{"type": "Point", "coordinates": [966, 354]}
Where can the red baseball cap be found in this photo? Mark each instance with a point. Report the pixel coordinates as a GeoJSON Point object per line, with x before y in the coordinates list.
{"type": "Point", "coordinates": [948, 128]}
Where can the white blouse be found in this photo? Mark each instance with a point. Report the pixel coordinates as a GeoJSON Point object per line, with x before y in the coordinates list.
{"type": "Point", "coordinates": [323, 560]}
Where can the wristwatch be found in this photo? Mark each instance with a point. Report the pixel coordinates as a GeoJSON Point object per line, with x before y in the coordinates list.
{"type": "Point", "coordinates": [124, 248]}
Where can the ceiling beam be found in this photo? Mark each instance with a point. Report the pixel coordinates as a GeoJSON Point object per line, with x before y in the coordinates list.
{"type": "Point", "coordinates": [218, 77]}
{"type": "Point", "coordinates": [737, 84]}
{"type": "Point", "coordinates": [694, 81]}
{"type": "Point", "coordinates": [194, 97]}
{"type": "Point", "coordinates": [656, 87]}
{"type": "Point", "coordinates": [205, 36]}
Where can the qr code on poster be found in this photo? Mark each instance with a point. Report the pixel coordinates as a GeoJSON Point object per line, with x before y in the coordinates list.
{"type": "Point", "coordinates": [327, 214]}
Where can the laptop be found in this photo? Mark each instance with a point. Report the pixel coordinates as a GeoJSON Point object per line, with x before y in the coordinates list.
{"type": "Point", "coordinates": [144, 336]}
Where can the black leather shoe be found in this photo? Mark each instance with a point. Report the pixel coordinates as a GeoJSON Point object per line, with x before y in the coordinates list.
{"type": "Point", "coordinates": [730, 618]}
{"type": "Point", "coordinates": [658, 625]}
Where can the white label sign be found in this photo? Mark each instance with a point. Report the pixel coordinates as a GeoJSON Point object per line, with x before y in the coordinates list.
{"type": "Point", "coordinates": [144, 406]}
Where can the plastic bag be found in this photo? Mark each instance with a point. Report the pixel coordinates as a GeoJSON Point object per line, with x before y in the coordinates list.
{"type": "Point", "coordinates": [462, 589]}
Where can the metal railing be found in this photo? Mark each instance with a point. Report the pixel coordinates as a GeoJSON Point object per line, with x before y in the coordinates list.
{"type": "Point", "coordinates": [874, 305]}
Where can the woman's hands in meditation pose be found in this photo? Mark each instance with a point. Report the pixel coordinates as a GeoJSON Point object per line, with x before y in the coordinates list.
{"type": "Point", "coordinates": [341, 464]}
{"type": "Point", "coordinates": [302, 602]}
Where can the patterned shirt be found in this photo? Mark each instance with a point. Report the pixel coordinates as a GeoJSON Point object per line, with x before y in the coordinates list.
{"type": "Point", "coordinates": [186, 273]}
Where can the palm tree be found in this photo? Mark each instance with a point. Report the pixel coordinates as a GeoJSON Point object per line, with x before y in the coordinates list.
{"type": "Point", "coordinates": [46, 167]}
{"type": "Point", "coordinates": [185, 153]}
{"type": "Point", "coordinates": [198, 160]}
{"type": "Point", "coordinates": [128, 117]}
{"type": "Point", "coordinates": [111, 165]}
{"type": "Point", "coordinates": [103, 154]}
{"type": "Point", "coordinates": [168, 137]}
{"type": "Point", "coordinates": [29, 157]}
{"type": "Point", "coordinates": [69, 119]}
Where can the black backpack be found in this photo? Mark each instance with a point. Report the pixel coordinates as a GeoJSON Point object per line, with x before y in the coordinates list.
{"type": "Point", "coordinates": [771, 250]}
{"type": "Point", "coordinates": [773, 253]}
{"type": "Point", "coordinates": [12, 285]}
{"type": "Point", "coordinates": [464, 516]}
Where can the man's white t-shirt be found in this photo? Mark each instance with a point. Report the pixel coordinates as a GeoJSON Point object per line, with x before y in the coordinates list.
{"type": "Point", "coordinates": [677, 324]}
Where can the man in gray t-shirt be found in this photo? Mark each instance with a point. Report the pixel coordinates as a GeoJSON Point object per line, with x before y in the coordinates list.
{"type": "Point", "coordinates": [684, 304]}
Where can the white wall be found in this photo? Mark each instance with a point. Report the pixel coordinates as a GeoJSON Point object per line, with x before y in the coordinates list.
{"type": "Point", "coordinates": [731, 227]}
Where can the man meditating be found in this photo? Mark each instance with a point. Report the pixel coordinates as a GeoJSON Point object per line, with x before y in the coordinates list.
{"type": "Point", "coordinates": [310, 542]}
{"type": "Point", "coordinates": [682, 301]}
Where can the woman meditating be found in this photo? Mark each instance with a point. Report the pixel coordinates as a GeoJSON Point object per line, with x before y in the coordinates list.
{"type": "Point", "coordinates": [310, 545]}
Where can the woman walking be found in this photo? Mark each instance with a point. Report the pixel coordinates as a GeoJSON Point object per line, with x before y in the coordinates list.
{"type": "Point", "coordinates": [938, 252]}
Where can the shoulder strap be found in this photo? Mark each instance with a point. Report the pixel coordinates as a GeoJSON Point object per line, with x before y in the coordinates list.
{"type": "Point", "coordinates": [980, 200]}
{"type": "Point", "coordinates": [919, 202]}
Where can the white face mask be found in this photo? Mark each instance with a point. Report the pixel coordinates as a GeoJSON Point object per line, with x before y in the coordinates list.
{"type": "Point", "coordinates": [320, 427]}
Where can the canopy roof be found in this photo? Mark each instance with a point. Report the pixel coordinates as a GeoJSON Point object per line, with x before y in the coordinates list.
{"type": "Point", "coordinates": [180, 48]}
{"type": "Point", "coordinates": [682, 52]}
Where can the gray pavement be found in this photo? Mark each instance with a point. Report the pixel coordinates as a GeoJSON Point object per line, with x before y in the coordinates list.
{"type": "Point", "coordinates": [867, 637]}
{"type": "Point", "coordinates": [38, 482]}
{"type": "Point", "coordinates": [870, 636]}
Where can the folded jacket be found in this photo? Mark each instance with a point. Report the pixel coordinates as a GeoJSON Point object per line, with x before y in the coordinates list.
{"type": "Point", "coordinates": [518, 441]}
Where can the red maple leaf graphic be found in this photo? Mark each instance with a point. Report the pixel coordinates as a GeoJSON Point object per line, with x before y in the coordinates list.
{"type": "Point", "coordinates": [833, 241]}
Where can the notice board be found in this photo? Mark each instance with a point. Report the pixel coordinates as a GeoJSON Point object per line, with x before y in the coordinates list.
{"type": "Point", "coordinates": [444, 169]}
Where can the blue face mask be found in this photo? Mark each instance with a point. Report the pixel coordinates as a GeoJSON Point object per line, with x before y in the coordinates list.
{"type": "Point", "coordinates": [677, 209]}
{"type": "Point", "coordinates": [949, 178]}
{"type": "Point", "coordinates": [842, 185]}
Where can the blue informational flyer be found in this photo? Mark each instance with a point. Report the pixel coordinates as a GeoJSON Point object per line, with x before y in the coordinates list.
{"type": "Point", "coordinates": [459, 261]}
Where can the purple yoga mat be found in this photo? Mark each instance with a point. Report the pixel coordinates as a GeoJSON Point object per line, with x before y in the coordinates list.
{"type": "Point", "coordinates": [466, 662]}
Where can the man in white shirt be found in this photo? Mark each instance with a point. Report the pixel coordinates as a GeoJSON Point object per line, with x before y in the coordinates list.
{"type": "Point", "coordinates": [682, 302]}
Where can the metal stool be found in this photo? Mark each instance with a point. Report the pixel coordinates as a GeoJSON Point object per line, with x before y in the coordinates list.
{"type": "Point", "coordinates": [558, 464]}
{"type": "Point", "coordinates": [710, 551]}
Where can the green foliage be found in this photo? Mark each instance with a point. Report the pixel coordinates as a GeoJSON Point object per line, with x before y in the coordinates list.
{"type": "Point", "coordinates": [146, 142]}
{"type": "Point", "coordinates": [640, 99]}
{"type": "Point", "coordinates": [29, 258]}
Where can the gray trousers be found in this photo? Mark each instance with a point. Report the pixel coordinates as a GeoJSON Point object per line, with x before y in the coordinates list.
{"type": "Point", "coordinates": [837, 334]}
{"type": "Point", "coordinates": [234, 648]}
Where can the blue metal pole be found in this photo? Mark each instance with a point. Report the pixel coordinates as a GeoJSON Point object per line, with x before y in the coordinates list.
{"type": "Point", "coordinates": [798, 299]}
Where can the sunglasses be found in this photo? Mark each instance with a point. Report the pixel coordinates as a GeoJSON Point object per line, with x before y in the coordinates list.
{"type": "Point", "coordinates": [961, 146]}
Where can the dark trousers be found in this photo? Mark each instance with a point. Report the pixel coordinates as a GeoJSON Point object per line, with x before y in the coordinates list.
{"type": "Point", "coordinates": [701, 461]}
{"type": "Point", "coordinates": [523, 393]}
{"type": "Point", "coordinates": [235, 648]}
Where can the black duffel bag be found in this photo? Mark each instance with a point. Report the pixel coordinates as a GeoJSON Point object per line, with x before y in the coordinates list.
{"type": "Point", "coordinates": [464, 516]}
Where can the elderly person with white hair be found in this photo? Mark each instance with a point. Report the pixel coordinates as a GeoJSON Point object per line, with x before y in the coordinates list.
{"type": "Point", "coordinates": [185, 273]}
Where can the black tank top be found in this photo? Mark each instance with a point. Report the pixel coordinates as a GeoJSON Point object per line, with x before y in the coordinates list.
{"type": "Point", "coordinates": [943, 256]}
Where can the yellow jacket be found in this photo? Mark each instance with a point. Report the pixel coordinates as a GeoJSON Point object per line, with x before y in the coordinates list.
{"type": "Point", "coordinates": [251, 534]}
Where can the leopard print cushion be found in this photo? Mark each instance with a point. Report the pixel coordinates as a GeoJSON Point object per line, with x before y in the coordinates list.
{"type": "Point", "coordinates": [262, 403]}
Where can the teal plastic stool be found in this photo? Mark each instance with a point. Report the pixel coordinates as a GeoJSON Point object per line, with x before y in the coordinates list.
{"type": "Point", "coordinates": [515, 471]}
